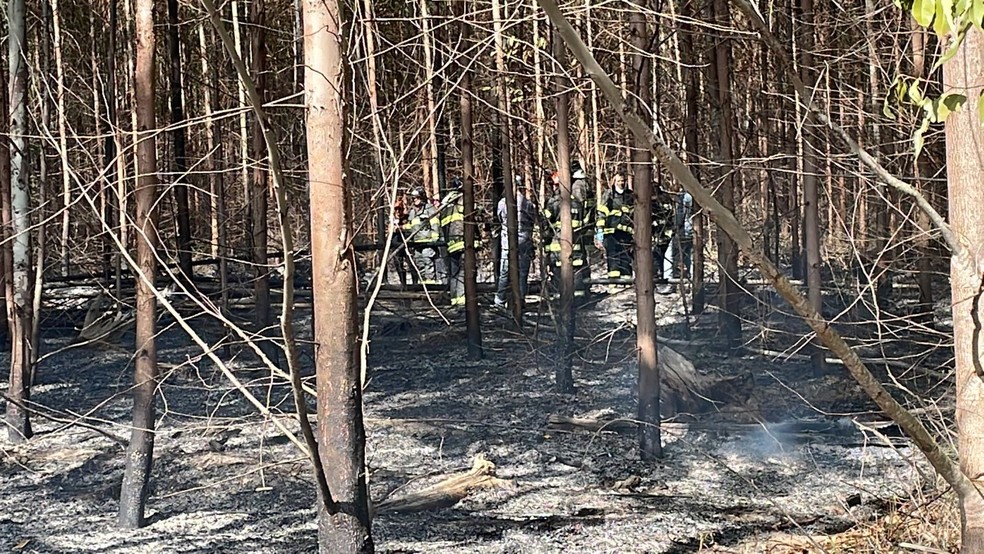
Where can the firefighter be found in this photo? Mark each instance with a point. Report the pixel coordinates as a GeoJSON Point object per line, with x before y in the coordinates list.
{"type": "Point", "coordinates": [421, 234]}
{"type": "Point", "coordinates": [663, 226]}
{"type": "Point", "coordinates": [453, 227]}
{"type": "Point", "coordinates": [399, 259]}
{"type": "Point", "coordinates": [552, 215]}
{"type": "Point", "coordinates": [613, 228]}
{"type": "Point", "coordinates": [526, 216]}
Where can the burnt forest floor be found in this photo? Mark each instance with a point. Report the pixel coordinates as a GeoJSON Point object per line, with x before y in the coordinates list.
{"type": "Point", "coordinates": [781, 456]}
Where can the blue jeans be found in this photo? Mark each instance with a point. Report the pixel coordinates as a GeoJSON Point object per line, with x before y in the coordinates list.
{"type": "Point", "coordinates": [525, 258]}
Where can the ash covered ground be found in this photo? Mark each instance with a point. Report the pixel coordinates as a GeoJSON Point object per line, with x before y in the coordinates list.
{"type": "Point", "coordinates": [226, 480]}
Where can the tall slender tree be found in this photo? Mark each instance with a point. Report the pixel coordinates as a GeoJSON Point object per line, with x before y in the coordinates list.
{"type": "Point", "coordinates": [964, 135]}
{"type": "Point", "coordinates": [564, 375]}
{"type": "Point", "coordinates": [344, 524]}
{"type": "Point", "coordinates": [729, 293]}
{"type": "Point", "coordinates": [140, 452]}
{"type": "Point", "coordinates": [178, 142]}
{"type": "Point", "coordinates": [811, 196]}
{"type": "Point", "coordinates": [18, 420]}
{"type": "Point", "coordinates": [650, 444]}
{"type": "Point", "coordinates": [472, 320]}
{"type": "Point", "coordinates": [262, 316]}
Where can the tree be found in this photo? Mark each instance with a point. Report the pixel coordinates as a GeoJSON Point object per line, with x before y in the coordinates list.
{"type": "Point", "coordinates": [811, 197]}
{"type": "Point", "coordinates": [650, 444]}
{"type": "Point", "coordinates": [344, 524]}
{"type": "Point", "coordinates": [564, 376]}
{"type": "Point", "coordinates": [18, 420]}
{"type": "Point", "coordinates": [472, 316]}
{"type": "Point", "coordinates": [729, 294]}
{"type": "Point", "coordinates": [258, 186]}
{"type": "Point", "coordinates": [964, 135]}
{"type": "Point", "coordinates": [140, 452]}
{"type": "Point", "coordinates": [180, 174]}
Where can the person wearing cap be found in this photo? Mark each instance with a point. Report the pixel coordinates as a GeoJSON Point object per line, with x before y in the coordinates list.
{"type": "Point", "coordinates": [526, 218]}
{"type": "Point", "coordinates": [421, 233]}
{"type": "Point", "coordinates": [613, 228]}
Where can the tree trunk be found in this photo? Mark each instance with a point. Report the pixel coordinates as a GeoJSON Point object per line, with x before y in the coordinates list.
{"type": "Point", "coordinates": [179, 175]}
{"type": "Point", "coordinates": [62, 139]}
{"type": "Point", "coordinates": [430, 142]}
{"type": "Point", "coordinates": [564, 375]}
{"type": "Point", "coordinates": [140, 452]}
{"type": "Point", "coordinates": [811, 198]}
{"type": "Point", "coordinates": [690, 58]}
{"type": "Point", "coordinates": [650, 445]}
{"type": "Point", "coordinates": [6, 248]}
{"type": "Point", "coordinates": [921, 170]}
{"type": "Point", "coordinates": [509, 190]}
{"type": "Point", "coordinates": [18, 421]}
{"type": "Point", "coordinates": [340, 426]}
{"type": "Point", "coordinates": [258, 187]}
{"type": "Point", "coordinates": [729, 295]}
{"type": "Point", "coordinates": [966, 196]}
{"type": "Point", "coordinates": [472, 316]}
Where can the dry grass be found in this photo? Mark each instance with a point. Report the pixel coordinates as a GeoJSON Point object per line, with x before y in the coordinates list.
{"type": "Point", "coordinates": [927, 523]}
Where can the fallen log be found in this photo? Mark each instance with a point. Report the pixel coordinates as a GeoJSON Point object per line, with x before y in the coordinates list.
{"type": "Point", "coordinates": [446, 493]}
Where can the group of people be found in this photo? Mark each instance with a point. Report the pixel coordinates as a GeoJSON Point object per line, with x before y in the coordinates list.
{"type": "Point", "coordinates": [433, 235]}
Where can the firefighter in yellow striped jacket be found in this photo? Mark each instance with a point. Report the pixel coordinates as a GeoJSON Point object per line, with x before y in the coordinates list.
{"type": "Point", "coordinates": [579, 222]}
{"type": "Point", "coordinates": [422, 234]}
{"type": "Point", "coordinates": [613, 228]}
{"type": "Point", "coordinates": [453, 227]}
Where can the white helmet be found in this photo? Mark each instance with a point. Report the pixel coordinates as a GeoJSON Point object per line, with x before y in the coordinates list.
{"type": "Point", "coordinates": [579, 174]}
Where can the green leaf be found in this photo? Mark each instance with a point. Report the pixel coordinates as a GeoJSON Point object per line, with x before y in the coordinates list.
{"type": "Point", "coordinates": [941, 24]}
{"type": "Point", "coordinates": [977, 13]}
{"type": "Point", "coordinates": [923, 11]}
{"type": "Point", "coordinates": [980, 108]}
{"type": "Point", "coordinates": [917, 137]}
{"type": "Point", "coordinates": [950, 52]}
{"type": "Point", "coordinates": [914, 93]}
{"type": "Point", "coordinates": [953, 102]}
{"type": "Point", "coordinates": [946, 7]}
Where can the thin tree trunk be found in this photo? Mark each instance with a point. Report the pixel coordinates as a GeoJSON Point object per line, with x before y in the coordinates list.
{"type": "Point", "coordinates": [241, 89]}
{"type": "Point", "coordinates": [964, 135]}
{"type": "Point", "coordinates": [472, 315]}
{"type": "Point", "coordinates": [6, 248]}
{"type": "Point", "coordinates": [689, 53]}
{"type": "Point", "coordinates": [729, 294]}
{"type": "Point", "coordinates": [883, 288]}
{"type": "Point", "coordinates": [140, 452]}
{"type": "Point", "coordinates": [650, 445]}
{"type": "Point", "coordinates": [540, 119]}
{"type": "Point", "coordinates": [924, 259]}
{"type": "Point", "coordinates": [18, 421]}
{"type": "Point", "coordinates": [259, 185]}
{"type": "Point", "coordinates": [509, 190]}
{"type": "Point", "coordinates": [62, 138]}
{"type": "Point", "coordinates": [811, 197]}
{"type": "Point", "coordinates": [430, 143]}
{"type": "Point", "coordinates": [340, 426]}
{"type": "Point", "coordinates": [216, 182]}
{"type": "Point", "coordinates": [180, 177]}
{"type": "Point", "coordinates": [564, 375]}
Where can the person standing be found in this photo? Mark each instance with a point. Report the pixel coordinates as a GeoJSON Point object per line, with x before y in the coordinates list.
{"type": "Point", "coordinates": [526, 217]}
{"type": "Point", "coordinates": [684, 236]}
{"type": "Point", "coordinates": [421, 233]}
{"type": "Point", "coordinates": [663, 227]}
{"type": "Point", "coordinates": [453, 226]}
{"type": "Point", "coordinates": [613, 228]}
